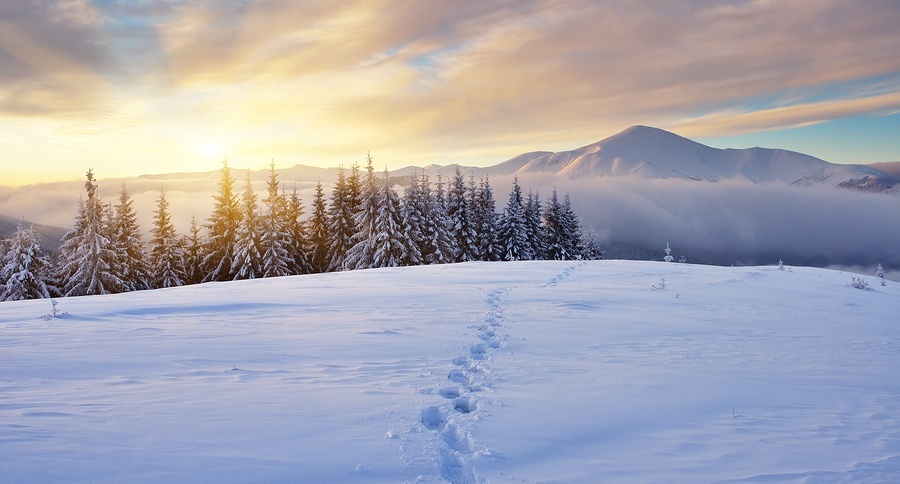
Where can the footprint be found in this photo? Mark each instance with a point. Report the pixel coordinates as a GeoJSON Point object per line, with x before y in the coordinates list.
{"type": "Point", "coordinates": [433, 418]}
{"type": "Point", "coordinates": [465, 404]}
{"type": "Point", "coordinates": [449, 393]}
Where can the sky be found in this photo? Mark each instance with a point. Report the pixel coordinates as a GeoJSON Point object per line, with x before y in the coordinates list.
{"type": "Point", "coordinates": [128, 88]}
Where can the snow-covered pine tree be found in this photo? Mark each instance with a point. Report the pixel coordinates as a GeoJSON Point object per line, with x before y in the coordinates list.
{"type": "Point", "coordinates": [460, 219]}
{"type": "Point", "coordinates": [297, 241]}
{"type": "Point", "coordinates": [24, 267]}
{"type": "Point", "coordinates": [668, 257]}
{"type": "Point", "coordinates": [879, 272]}
{"type": "Point", "coordinates": [486, 222]}
{"type": "Point", "coordinates": [131, 263]}
{"type": "Point", "coordinates": [166, 249]}
{"type": "Point", "coordinates": [219, 244]}
{"type": "Point", "coordinates": [193, 253]}
{"type": "Point", "coordinates": [553, 229]}
{"type": "Point", "coordinates": [340, 223]}
{"type": "Point", "coordinates": [439, 241]}
{"type": "Point", "coordinates": [274, 236]}
{"type": "Point", "coordinates": [571, 230]}
{"type": "Point", "coordinates": [87, 254]}
{"type": "Point", "coordinates": [362, 254]}
{"type": "Point", "coordinates": [412, 216]}
{"type": "Point", "coordinates": [247, 262]}
{"type": "Point", "coordinates": [590, 246]}
{"type": "Point", "coordinates": [513, 232]}
{"type": "Point", "coordinates": [389, 237]}
{"type": "Point", "coordinates": [318, 232]}
{"type": "Point", "coordinates": [533, 228]}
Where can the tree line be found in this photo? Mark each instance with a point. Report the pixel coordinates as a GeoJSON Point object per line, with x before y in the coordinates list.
{"type": "Point", "coordinates": [365, 224]}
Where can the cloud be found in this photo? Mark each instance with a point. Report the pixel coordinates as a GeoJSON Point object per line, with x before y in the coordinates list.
{"type": "Point", "coordinates": [732, 221]}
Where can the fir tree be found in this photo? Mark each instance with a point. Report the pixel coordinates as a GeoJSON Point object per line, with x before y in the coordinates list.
{"type": "Point", "coordinates": [668, 257]}
{"type": "Point", "coordinates": [486, 222]}
{"type": "Point", "coordinates": [274, 237]}
{"type": "Point", "coordinates": [533, 229]}
{"type": "Point", "coordinates": [461, 224]}
{"type": "Point", "coordinates": [388, 238]}
{"type": "Point", "coordinates": [553, 229]}
{"type": "Point", "coordinates": [166, 250]}
{"type": "Point", "coordinates": [131, 263]}
{"type": "Point", "coordinates": [413, 211]}
{"type": "Point", "coordinates": [87, 254]}
{"type": "Point", "coordinates": [571, 229]}
{"type": "Point", "coordinates": [440, 245]}
{"type": "Point", "coordinates": [513, 231]}
{"type": "Point", "coordinates": [219, 245]}
{"type": "Point", "coordinates": [297, 238]}
{"type": "Point", "coordinates": [247, 262]}
{"type": "Point", "coordinates": [318, 232]}
{"type": "Point", "coordinates": [340, 223]}
{"type": "Point", "coordinates": [361, 255]}
{"type": "Point", "coordinates": [23, 266]}
{"type": "Point", "coordinates": [193, 244]}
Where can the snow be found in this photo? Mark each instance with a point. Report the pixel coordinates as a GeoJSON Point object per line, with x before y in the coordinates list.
{"type": "Point", "coordinates": [540, 371]}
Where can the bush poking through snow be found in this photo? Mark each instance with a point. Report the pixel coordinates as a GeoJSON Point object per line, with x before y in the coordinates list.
{"type": "Point", "coordinates": [859, 283]}
{"type": "Point", "coordinates": [879, 272]}
{"type": "Point", "coordinates": [55, 313]}
{"type": "Point", "coordinates": [780, 265]}
{"type": "Point", "coordinates": [661, 286]}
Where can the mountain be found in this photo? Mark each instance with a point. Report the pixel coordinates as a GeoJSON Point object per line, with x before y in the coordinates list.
{"type": "Point", "coordinates": [642, 151]}
{"type": "Point", "coordinates": [50, 235]}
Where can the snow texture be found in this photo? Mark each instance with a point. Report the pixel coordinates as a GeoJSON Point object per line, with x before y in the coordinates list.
{"type": "Point", "coordinates": [531, 371]}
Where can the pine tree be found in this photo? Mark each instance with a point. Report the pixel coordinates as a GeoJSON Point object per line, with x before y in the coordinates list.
{"type": "Point", "coordinates": [362, 254]}
{"type": "Point", "coordinates": [388, 239]}
{"type": "Point", "coordinates": [318, 233]}
{"type": "Point", "coordinates": [461, 224]}
{"type": "Point", "coordinates": [219, 245]}
{"type": "Point", "coordinates": [87, 255]}
{"type": "Point", "coordinates": [553, 229]}
{"type": "Point", "coordinates": [131, 263]}
{"type": "Point", "coordinates": [487, 222]}
{"type": "Point", "coordinates": [23, 266]}
{"type": "Point", "coordinates": [440, 246]}
{"type": "Point", "coordinates": [274, 237]}
{"type": "Point", "coordinates": [297, 237]}
{"type": "Point", "coordinates": [513, 231]}
{"type": "Point", "coordinates": [193, 244]}
{"type": "Point", "coordinates": [247, 262]}
{"type": "Point", "coordinates": [412, 214]}
{"type": "Point", "coordinates": [340, 223]}
{"type": "Point", "coordinates": [572, 233]}
{"type": "Point", "coordinates": [533, 228]}
{"type": "Point", "coordinates": [166, 249]}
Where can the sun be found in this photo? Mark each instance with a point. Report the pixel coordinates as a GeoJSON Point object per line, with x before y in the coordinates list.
{"type": "Point", "coordinates": [209, 148]}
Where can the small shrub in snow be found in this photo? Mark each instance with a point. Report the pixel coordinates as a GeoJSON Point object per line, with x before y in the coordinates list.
{"type": "Point", "coordinates": [661, 286]}
{"type": "Point", "coordinates": [879, 272]}
{"type": "Point", "coordinates": [668, 257]}
{"type": "Point", "coordinates": [55, 313]}
{"type": "Point", "coordinates": [859, 283]}
{"type": "Point", "coordinates": [780, 265]}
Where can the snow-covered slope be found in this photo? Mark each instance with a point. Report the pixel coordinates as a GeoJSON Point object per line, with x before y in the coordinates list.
{"type": "Point", "coordinates": [477, 372]}
{"type": "Point", "coordinates": [654, 153]}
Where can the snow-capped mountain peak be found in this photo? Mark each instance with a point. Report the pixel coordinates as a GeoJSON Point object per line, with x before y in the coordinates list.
{"type": "Point", "coordinates": [648, 152]}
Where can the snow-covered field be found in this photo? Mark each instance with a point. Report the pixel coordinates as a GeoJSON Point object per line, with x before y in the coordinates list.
{"type": "Point", "coordinates": [476, 372]}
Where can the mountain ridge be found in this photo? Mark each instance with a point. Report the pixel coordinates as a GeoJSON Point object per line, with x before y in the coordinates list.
{"type": "Point", "coordinates": [649, 152]}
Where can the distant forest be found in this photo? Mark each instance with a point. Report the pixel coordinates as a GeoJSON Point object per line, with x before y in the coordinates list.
{"type": "Point", "coordinates": [365, 224]}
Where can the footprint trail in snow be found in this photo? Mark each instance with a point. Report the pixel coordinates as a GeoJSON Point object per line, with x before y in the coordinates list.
{"type": "Point", "coordinates": [471, 375]}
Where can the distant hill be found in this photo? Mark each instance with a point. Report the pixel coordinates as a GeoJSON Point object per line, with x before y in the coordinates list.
{"type": "Point", "coordinates": [646, 152]}
{"type": "Point", "coordinates": [892, 167]}
{"type": "Point", "coordinates": [51, 235]}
